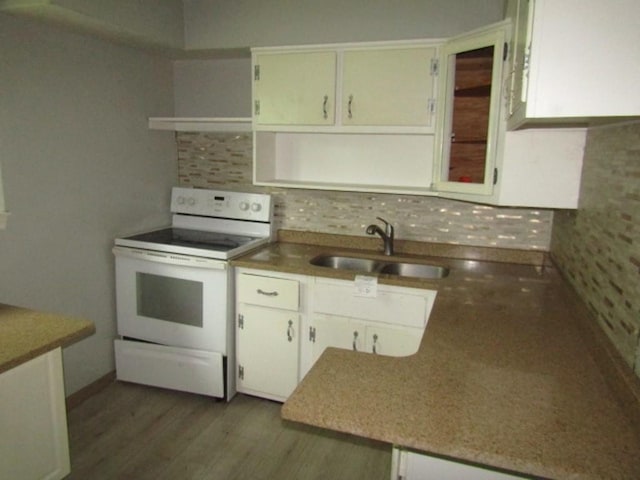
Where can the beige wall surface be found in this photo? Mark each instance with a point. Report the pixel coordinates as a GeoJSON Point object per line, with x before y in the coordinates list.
{"type": "Point", "coordinates": [598, 246]}
{"type": "Point", "coordinates": [79, 167]}
{"type": "Point", "coordinates": [213, 24]}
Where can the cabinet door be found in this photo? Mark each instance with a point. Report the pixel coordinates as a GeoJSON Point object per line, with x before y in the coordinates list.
{"type": "Point", "coordinates": [335, 331]}
{"type": "Point", "coordinates": [388, 86]}
{"type": "Point", "coordinates": [392, 341]}
{"type": "Point", "coordinates": [33, 420]}
{"type": "Point", "coordinates": [583, 60]}
{"type": "Point", "coordinates": [294, 88]}
{"type": "Point", "coordinates": [468, 112]}
{"type": "Point", "coordinates": [521, 12]}
{"type": "Point", "coordinates": [267, 351]}
{"type": "Point", "coordinates": [410, 465]}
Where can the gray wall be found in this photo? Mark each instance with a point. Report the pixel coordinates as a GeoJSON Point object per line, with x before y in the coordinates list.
{"type": "Point", "coordinates": [212, 88]}
{"type": "Point", "coordinates": [250, 23]}
{"type": "Point", "coordinates": [79, 167]}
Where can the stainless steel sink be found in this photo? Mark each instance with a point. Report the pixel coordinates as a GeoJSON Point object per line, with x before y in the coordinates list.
{"type": "Point", "coordinates": [415, 270]}
{"type": "Point", "coordinates": [367, 265]}
{"type": "Point", "coordinates": [347, 263]}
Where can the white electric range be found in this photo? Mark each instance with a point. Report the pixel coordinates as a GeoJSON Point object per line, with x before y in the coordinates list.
{"type": "Point", "coordinates": [174, 291]}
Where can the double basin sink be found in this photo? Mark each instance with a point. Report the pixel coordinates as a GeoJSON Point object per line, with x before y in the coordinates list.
{"type": "Point", "coordinates": [391, 267]}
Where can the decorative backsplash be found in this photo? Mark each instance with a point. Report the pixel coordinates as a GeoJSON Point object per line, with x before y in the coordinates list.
{"type": "Point", "coordinates": [598, 246]}
{"type": "Point", "coordinates": [224, 161]}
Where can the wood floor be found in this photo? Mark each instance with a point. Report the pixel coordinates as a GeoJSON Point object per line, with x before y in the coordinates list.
{"type": "Point", "coordinates": [130, 431]}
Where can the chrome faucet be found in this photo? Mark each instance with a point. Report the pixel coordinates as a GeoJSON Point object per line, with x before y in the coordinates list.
{"type": "Point", "coordinates": [386, 235]}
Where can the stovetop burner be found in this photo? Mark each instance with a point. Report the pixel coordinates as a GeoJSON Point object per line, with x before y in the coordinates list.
{"type": "Point", "coordinates": [211, 224]}
{"type": "Point", "coordinates": [184, 237]}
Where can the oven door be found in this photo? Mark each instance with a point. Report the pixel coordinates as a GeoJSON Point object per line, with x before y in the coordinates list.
{"type": "Point", "coordinates": [173, 300]}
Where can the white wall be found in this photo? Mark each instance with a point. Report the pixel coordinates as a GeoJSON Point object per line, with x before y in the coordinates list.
{"type": "Point", "coordinates": [212, 88]}
{"type": "Point", "coordinates": [211, 24]}
{"type": "Point", "coordinates": [157, 23]}
{"type": "Point", "coordinates": [79, 167]}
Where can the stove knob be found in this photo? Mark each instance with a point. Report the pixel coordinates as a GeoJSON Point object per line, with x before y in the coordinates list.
{"type": "Point", "coordinates": [180, 200]}
{"type": "Point", "coordinates": [256, 207]}
{"type": "Point", "coordinates": [191, 201]}
{"type": "Point", "coordinates": [244, 206]}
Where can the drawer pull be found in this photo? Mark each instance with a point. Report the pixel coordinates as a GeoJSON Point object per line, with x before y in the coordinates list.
{"type": "Point", "coordinates": [267, 294]}
{"type": "Point", "coordinates": [324, 107]}
{"type": "Point", "coordinates": [290, 331]}
{"type": "Point", "coordinates": [355, 340]}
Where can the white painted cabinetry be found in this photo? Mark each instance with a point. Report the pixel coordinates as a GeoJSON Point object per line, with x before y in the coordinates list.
{"type": "Point", "coordinates": [409, 465]}
{"type": "Point", "coordinates": [294, 88]}
{"type": "Point", "coordinates": [574, 59]}
{"type": "Point", "coordinates": [361, 336]}
{"type": "Point", "coordinates": [360, 118]}
{"type": "Point", "coordinates": [477, 159]}
{"type": "Point", "coordinates": [469, 111]}
{"type": "Point", "coordinates": [391, 322]}
{"type": "Point", "coordinates": [33, 421]}
{"type": "Point", "coordinates": [267, 333]}
{"type": "Point", "coordinates": [284, 322]}
{"type": "Point", "coordinates": [388, 86]}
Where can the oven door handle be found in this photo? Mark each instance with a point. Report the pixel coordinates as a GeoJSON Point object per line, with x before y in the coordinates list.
{"type": "Point", "coordinates": [169, 258]}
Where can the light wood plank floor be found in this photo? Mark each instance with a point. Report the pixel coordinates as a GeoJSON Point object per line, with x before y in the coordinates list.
{"type": "Point", "coordinates": [130, 431]}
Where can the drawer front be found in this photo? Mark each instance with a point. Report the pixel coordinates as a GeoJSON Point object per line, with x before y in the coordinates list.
{"type": "Point", "coordinates": [268, 291]}
{"type": "Point", "coordinates": [388, 307]}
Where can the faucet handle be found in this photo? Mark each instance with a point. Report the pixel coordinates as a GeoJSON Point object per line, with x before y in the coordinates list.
{"type": "Point", "coordinates": [387, 226]}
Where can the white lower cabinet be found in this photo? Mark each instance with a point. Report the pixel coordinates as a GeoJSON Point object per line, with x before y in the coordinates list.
{"type": "Point", "coordinates": [267, 333]}
{"type": "Point", "coordinates": [390, 322]}
{"type": "Point", "coordinates": [361, 336]}
{"type": "Point", "coordinates": [267, 351]}
{"type": "Point", "coordinates": [408, 465]}
{"type": "Point", "coordinates": [284, 322]}
{"type": "Point", "coordinates": [33, 421]}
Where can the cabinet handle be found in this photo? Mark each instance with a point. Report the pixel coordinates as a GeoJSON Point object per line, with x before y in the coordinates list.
{"type": "Point", "coordinates": [290, 331]}
{"type": "Point", "coordinates": [324, 107]}
{"type": "Point", "coordinates": [268, 294]}
{"type": "Point", "coordinates": [350, 114]}
{"type": "Point", "coordinates": [375, 341]}
{"type": "Point", "coordinates": [355, 339]}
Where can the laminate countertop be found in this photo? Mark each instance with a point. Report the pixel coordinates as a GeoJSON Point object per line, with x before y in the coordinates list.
{"type": "Point", "coordinates": [26, 334]}
{"type": "Point", "coordinates": [512, 372]}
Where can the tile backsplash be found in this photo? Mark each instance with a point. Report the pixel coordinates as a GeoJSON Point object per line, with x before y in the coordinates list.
{"type": "Point", "coordinates": [598, 245]}
{"type": "Point", "coordinates": [224, 161]}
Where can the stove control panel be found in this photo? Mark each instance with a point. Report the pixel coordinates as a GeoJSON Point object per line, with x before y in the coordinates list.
{"type": "Point", "coordinates": [221, 204]}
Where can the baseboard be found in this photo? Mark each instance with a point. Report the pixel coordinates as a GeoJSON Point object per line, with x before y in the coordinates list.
{"type": "Point", "coordinates": [75, 399]}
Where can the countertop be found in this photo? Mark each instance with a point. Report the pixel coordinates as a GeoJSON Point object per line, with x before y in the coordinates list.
{"type": "Point", "coordinates": [512, 372]}
{"type": "Point", "coordinates": [26, 334]}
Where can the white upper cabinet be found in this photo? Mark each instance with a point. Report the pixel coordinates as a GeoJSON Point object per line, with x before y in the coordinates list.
{"type": "Point", "coordinates": [392, 86]}
{"type": "Point", "coordinates": [469, 110]}
{"type": "Point", "coordinates": [356, 117]}
{"type": "Point", "coordinates": [574, 60]}
{"type": "Point", "coordinates": [294, 88]}
{"type": "Point", "coordinates": [382, 133]}
{"type": "Point", "coordinates": [476, 159]}
{"type": "Point", "coordinates": [387, 86]}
